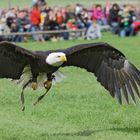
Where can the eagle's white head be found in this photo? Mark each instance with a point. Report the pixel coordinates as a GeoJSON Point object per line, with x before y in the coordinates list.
{"type": "Point", "coordinates": [56, 59]}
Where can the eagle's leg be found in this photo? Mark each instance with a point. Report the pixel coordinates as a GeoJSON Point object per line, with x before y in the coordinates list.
{"type": "Point", "coordinates": [22, 94]}
{"type": "Point", "coordinates": [47, 85]}
{"type": "Point", "coordinates": [34, 82]}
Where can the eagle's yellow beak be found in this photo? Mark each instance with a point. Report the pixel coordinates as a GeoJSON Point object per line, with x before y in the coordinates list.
{"type": "Point", "coordinates": [63, 58]}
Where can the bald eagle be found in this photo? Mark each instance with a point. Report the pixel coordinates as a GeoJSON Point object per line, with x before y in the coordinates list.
{"type": "Point", "coordinates": [112, 69]}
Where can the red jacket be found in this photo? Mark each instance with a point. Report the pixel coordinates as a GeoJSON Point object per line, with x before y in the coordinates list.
{"type": "Point", "coordinates": [35, 16]}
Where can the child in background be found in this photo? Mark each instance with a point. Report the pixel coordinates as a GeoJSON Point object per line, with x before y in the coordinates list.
{"type": "Point", "coordinates": [94, 31]}
{"type": "Point", "coordinates": [99, 15]}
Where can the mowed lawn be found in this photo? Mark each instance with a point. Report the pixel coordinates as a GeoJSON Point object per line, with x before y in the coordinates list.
{"type": "Point", "coordinates": [86, 3]}
{"type": "Point", "coordinates": [78, 108]}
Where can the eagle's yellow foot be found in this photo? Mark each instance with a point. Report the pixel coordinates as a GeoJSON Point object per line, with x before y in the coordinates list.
{"type": "Point", "coordinates": [34, 85]}
{"type": "Point", "coordinates": [48, 84]}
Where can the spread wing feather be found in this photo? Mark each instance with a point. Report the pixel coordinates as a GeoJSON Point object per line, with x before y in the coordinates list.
{"type": "Point", "coordinates": [13, 60]}
{"type": "Point", "coordinates": [110, 66]}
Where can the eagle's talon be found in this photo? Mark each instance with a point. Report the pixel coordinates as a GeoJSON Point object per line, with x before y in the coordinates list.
{"type": "Point", "coordinates": [34, 85]}
{"type": "Point", "coordinates": [47, 84]}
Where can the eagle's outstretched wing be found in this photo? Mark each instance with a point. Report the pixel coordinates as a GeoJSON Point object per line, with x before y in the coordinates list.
{"type": "Point", "coordinates": [109, 65]}
{"type": "Point", "coordinates": [13, 59]}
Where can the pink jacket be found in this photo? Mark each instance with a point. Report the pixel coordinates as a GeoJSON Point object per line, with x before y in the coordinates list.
{"type": "Point", "coordinates": [99, 15]}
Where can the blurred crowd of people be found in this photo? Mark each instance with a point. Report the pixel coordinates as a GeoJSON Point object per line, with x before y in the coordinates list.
{"type": "Point", "coordinates": [124, 20]}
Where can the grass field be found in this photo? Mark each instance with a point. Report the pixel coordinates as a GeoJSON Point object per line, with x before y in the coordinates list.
{"type": "Point", "coordinates": [78, 108]}
{"type": "Point", "coordinates": [87, 3]}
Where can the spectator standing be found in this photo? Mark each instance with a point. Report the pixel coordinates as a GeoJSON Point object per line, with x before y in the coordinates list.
{"type": "Point", "coordinates": [35, 22]}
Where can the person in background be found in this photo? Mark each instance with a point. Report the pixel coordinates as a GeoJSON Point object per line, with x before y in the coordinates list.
{"type": "Point", "coordinates": [4, 29]}
{"type": "Point", "coordinates": [70, 11]}
{"type": "Point", "coordinates": [136, 18]}
{"type": "Point", "coordinates": [125, 23]}
{"type": "Point", "coordinates": [87, 18]}
{"type": "Point", "coordinates": [137, 12]}
{"type": "Point", "coordinates": [59, 17]}
{"type": "Point", "coordinates": [99, 15]}
{"type": "Point", "coordinates": [71, 24]}
{"type": "Point", "coordinates": [114, 18]}
{"type": "Point", "coordinates": [79, 11]}
{"type": "Point", "coordinates": [63, 26]}
{"type": "Point", "coordinates": [43, 13]}
{"type": "Point", "coordinates": [35, 22]}
{"type": "Point", "coordinates": [107, 9]}
{"type": "Point", "coordinates": [50, 23]}
{"type": "Point", "coordinates": [41, 3]}
{"type": "Point", "coordinates": [42, 19]}
{"type": "Point", "coordinates": [64, 13]}
{"type": "Point", "coordinates": [23, 25]}
{"type": "Point", "coordinates": [94, 31]}
{"type": "Point", "coordinates": [11, 16]}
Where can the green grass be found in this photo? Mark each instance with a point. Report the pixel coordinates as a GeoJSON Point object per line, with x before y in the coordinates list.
{"type": "Point", "coordinates": [87, 3]}
{"type": "Point", "coordinates": [78, 108]}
